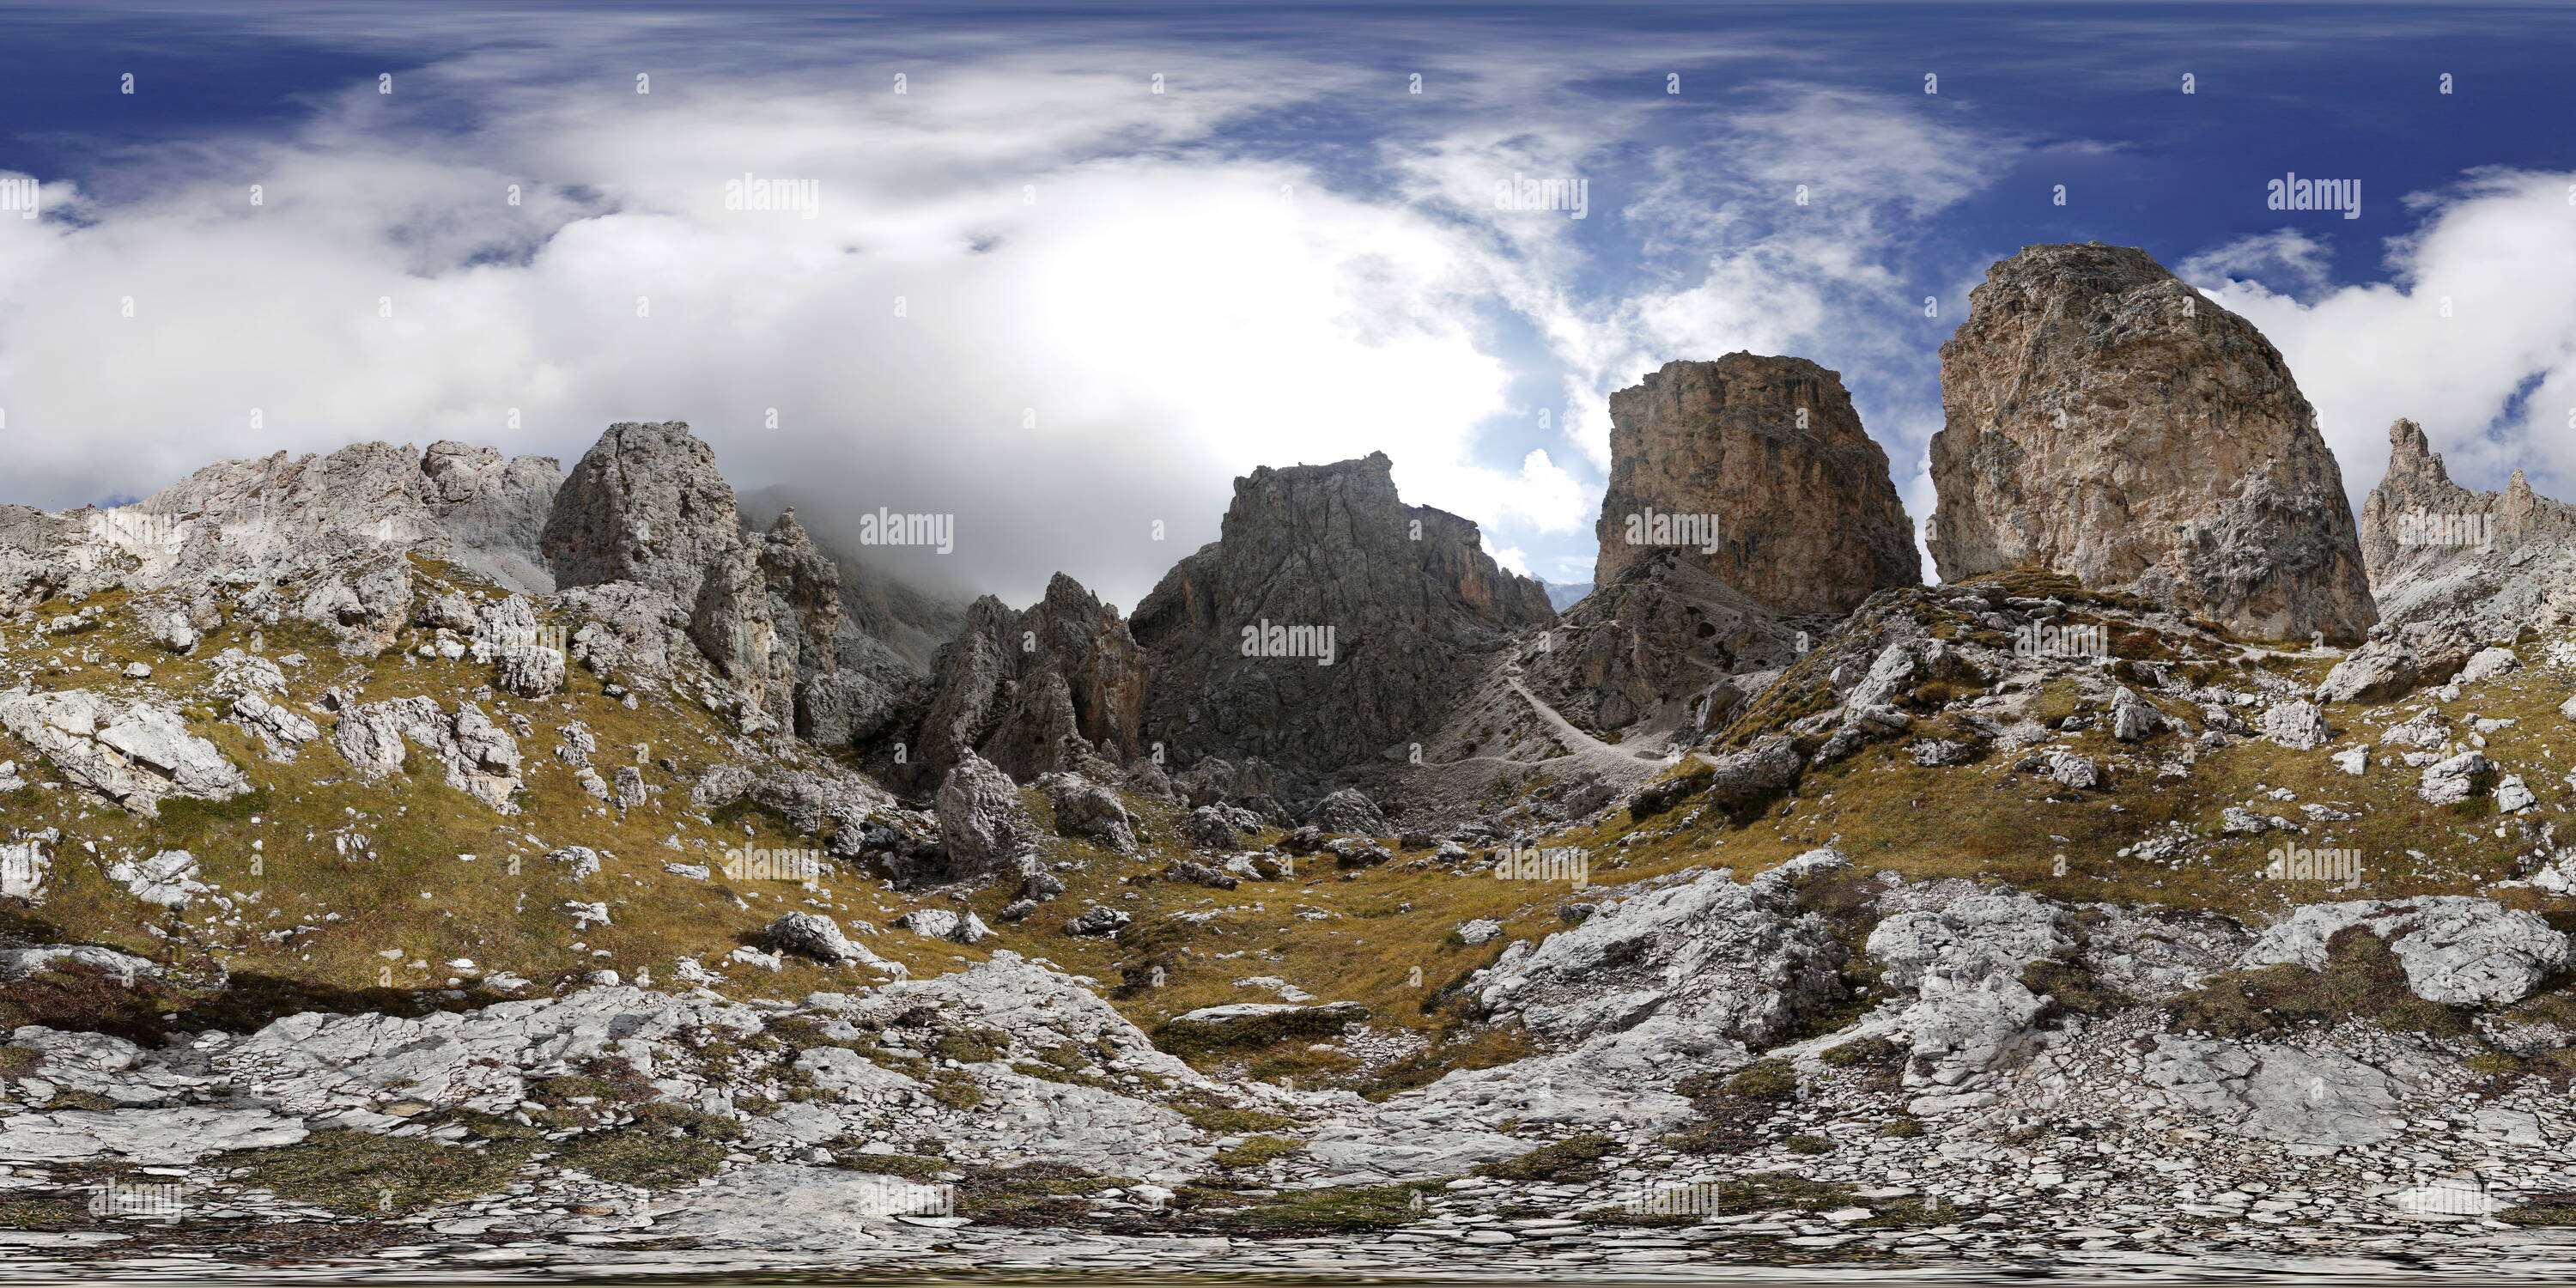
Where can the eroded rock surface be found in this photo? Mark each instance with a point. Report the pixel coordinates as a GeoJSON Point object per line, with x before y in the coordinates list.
{"type": "Point", "coordinates": [1803, 515]}
{"type": "Point", "coordinates": [2107, 421]}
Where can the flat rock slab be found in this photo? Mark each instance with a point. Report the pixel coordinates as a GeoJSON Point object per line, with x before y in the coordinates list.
{"type": "Point", "coordinates": [2317, 1100]}
{"type": "Point", "coordinates": [163, 1137]}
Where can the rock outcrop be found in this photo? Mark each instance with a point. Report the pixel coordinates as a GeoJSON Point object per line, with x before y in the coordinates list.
{"type": "Point", "coordinates": [133, 754]}
{"type": "Point", "coordinates": [1781, 493]}
{"type": "Point", "coordinates": [1330, 624]}
{"type": "Point", "coordinates": [983, 826]}
{"type": "Point", "coordinates": [647, 508]}
{"type": "Point", "coordinates": [493, 510]}
{"type": "Point", "coordinates": [2109, 422]}
{"type": "Point", "coordinates": [2487, 563]}
{"type": "Point", "coordinates": [1660, 643]}
{"type": "Point", "coordinates": [645, 505]}
{"type": "Point", "coordinates": [1039, 691]}
{"type": "Point", "coordinates": [479, 758]}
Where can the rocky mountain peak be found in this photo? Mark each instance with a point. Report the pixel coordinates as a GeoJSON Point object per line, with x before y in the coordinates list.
{"type": "Point", "coordinates": [1329, 624]}
{"type": "Point", "coordinates": [2443, 555]}
{"type": "Point", "coordinates": [646, 504]}
{"type": "Point", "coordinates": [1038, 691]}
{"type": "Point", "coordinates": [1775, 487]}
{"type": "Point", "coordinates": [2107, 421]}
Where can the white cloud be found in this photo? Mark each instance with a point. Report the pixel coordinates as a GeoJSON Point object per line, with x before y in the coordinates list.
{"type": "Point", "coordinates": [2474, 336]}
{"type": "Point", "coordinates": [1104, 319]}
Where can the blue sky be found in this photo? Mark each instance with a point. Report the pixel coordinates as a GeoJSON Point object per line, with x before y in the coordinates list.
{"type": "Point", "coordinates": [1040, 294]}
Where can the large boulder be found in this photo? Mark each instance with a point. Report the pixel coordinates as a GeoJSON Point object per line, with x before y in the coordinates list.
{"type": "Point", "coordinates": [2397, 659]}
{"type": "Point", "coordinates": [647, 505]}
{"type": "Point", "coordinates": [982, 823]}
{"type": "Point", "coordinates": [134, 754]}
{"type": "Point", "coordinates": [1087, 809]}
{"type": "Point", "coordinates": [1769, 453]}
{"type": "Point", "coordinates": [2107, 421]}
{"type": "Point", "coordinates": [2456, 949]}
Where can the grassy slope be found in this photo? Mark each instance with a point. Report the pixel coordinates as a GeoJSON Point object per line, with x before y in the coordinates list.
{"type": "Point", "coordinates": [1387, 943]}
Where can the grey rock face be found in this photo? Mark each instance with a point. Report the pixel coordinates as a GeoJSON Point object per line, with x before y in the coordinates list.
{"type": "Point", "coordinates": [805, 607]}
{"type": "Point", "coordinates": [1037, 692]}
{"type": "Point", "coordinates": [124, 968]}
{"type": "Point", "coordinates": [2108, 421]}
{"type": "Point", "coordinates": [1962, 952]}
{"type": "Point", "coordinates": [1350, 812]}
{"type": "Point", "coordinates": [148, 1137]}
{"type": "Point", "coordinates": [647, 523]}
{"type": "Point", "coordinates": [1808, 519]}
{"type": "Point", "coordinates": [43, 556]}
{"type": "Point", "coordinates": [734, 627]}
{"type": "Point", "coordinates": [2312, 1101]}
{"type": "Point", "coordinates": [478, 757]}
{"type": "Point", "coordinates": [364, 605]}
{"type": "Point", "coordinates": [981, 822]}
{"type": "Point", "coordinates": [494, 511]}
{"type": "Point", "coordinates": [1085, 808]}
{"type": "Point", "coordinates": [1410, 596]}
{"type": "Point", "coordinates": [2484, 563]}
{"type": "Point", "coordinates": [1650, 640]}
{"type": "Point", "coordinates": [133, 754]}
{"type": "Point", "coordinates": [626, 628]}
{"type": "Point", "coordinates": [1689, 967]}
{"type": "Point", "coordinates": [645, 505]}
{"type": "Point", "coordinates": [2457, 950]}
